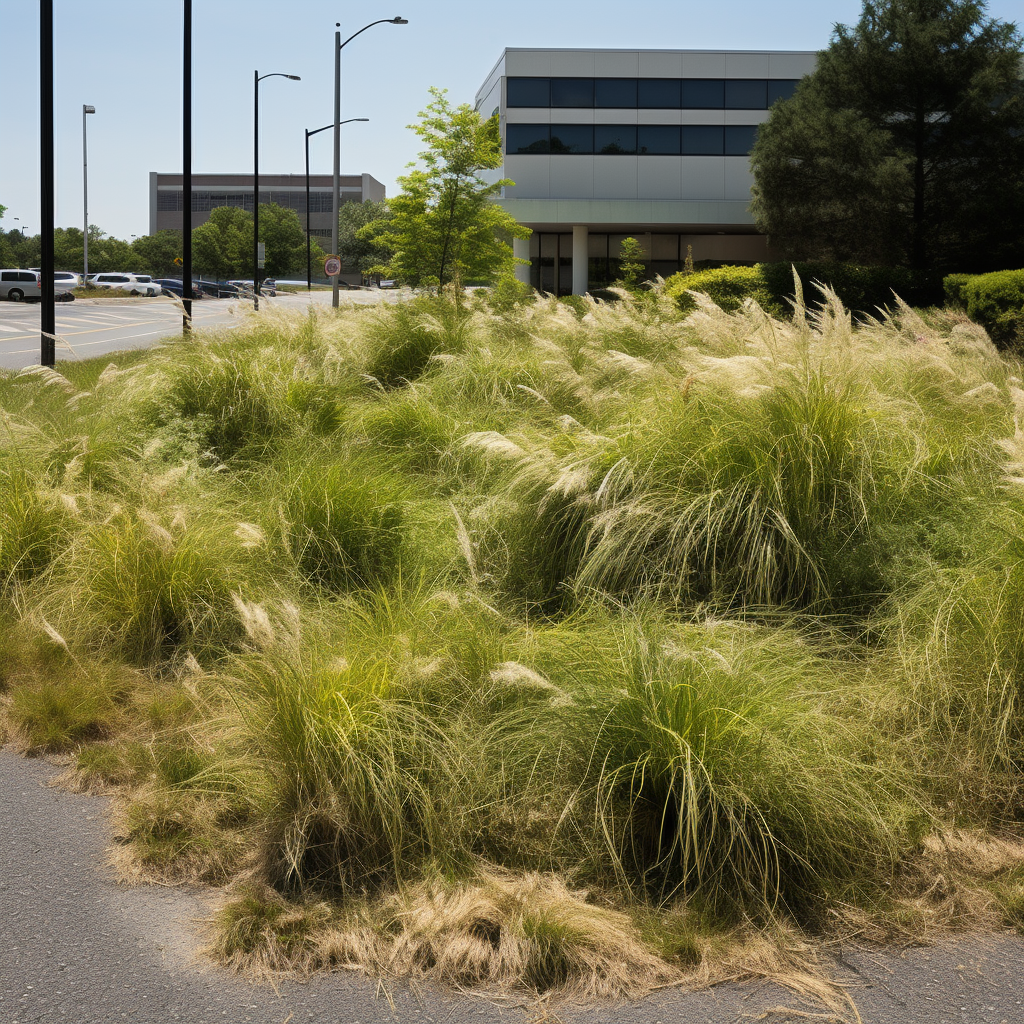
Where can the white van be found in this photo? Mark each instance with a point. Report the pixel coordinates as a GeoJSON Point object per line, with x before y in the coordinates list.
{"type": "Point", "coordinates": [16, 285]}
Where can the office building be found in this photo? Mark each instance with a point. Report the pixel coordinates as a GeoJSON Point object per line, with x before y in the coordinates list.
{"type": "Point", "coordinates": [212, 190]}
{"type": "Point", "coordinates": [654, 144]}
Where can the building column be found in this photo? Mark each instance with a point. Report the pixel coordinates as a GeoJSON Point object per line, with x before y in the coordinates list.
{"type": "Point", "coordinates": [521, 250]}
{"type": "Point", "coordinates": [580, 258]}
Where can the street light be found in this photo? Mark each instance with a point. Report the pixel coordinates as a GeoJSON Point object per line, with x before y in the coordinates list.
{"type": "Point", "coordinates": [316, 131]}
{"type": "Point", "coordinates": [257, 78]}
{"type": "Point", "coordinates": [338, 47]}
{"type": "Point", "coordinates": [22, 227]}
{"type": "Point", "coordinates": [86, 109]}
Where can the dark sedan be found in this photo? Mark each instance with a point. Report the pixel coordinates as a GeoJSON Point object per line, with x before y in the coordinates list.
{"type": "Point", "coordinates": [171, 286]}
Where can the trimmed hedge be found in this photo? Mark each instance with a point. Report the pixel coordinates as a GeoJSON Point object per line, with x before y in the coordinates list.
{"type": "Point", "coordinates": [860, 289]}
{"type": "Point", "coordinates": [996, 301]}
{"type": "Point", "coordinates": [726, 286]}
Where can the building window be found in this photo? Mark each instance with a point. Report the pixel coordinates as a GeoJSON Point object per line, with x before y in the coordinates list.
{"type": "Point", "coordinates": [527, 138]}
{"type": "Point", "coordinates": [739, 139]}
{"type": "Point", "coordinates": [628, 139]}
{"type": "Point", "coordinates": [658, 93]}
{"type": "Point", "coordinates": [649, 93]}
{"type": "Point", "coordinates": [572, 138]}
{"type": "Point", "coordinates": [614, 138]}
{"type": "Point", "coordinates": [528, 92]}
{"type": "Point", "coordinates": [168, 201]}
{"type": "Point", "coordinates": [572, 92]}
{"type": "Point", "coordinates": [703, 94]}
{"type": "Point", "coordinates": [703, 140]}
{"type": "Point", "coordinates": [615, 93]}
{"type": "Point", "coordinates": [780, 89]}
{"type": "Point", "coordinates": [658, 139]}
{"type": "Point", "coordinates": [746, 94]}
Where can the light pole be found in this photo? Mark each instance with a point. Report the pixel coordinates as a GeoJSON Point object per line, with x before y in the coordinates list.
{"type": "Point", "coordinates": [22, 227]}
{"type": "Point", "coordinates": [256, 79]}
{"type": "Point", "coordinates": [316, 131]}
{"type": "Point", "coordinates": [338, 47]}
{"type": "Point", "coordinates": [86, 109]}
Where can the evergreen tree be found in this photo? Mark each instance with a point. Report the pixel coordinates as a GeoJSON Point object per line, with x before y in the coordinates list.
{"type": "Point", "coordinates": [905, 146]}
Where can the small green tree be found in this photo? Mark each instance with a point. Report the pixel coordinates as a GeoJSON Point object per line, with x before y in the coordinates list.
{"type": "Point", "coordinates": [631, 264]}
{"type": "Point", "coordinates": [444, 226]}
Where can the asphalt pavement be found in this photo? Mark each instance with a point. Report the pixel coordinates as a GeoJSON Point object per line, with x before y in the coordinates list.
{"type": "Point", "coordinates": [94, 327]}
{"type": "Point", "coordinates": [78, 948]}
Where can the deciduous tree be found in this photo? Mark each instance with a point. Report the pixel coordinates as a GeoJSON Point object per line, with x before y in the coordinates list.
{"type": "Point", "coordinates": [444, 226]}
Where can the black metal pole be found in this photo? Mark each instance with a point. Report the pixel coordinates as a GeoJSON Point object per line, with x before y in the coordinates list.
{"type": "Point", "coordinates": [309, 258]}
{"type": "Point", "coordinates": [48, 319]}
{"type": "Point", "coordinates": [186, 174]}
{"type": "Point", "coordinates": [256, 192]}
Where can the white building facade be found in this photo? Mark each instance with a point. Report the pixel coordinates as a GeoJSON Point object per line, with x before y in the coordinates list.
{"type": "Point", "coordinates": [653, 144]}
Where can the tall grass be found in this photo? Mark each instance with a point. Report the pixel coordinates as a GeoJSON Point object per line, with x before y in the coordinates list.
{"type": "Point", "coordinates": [433, 615]}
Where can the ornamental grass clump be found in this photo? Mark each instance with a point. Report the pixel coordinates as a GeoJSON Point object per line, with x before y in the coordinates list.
{"type": "Point", "coordinates": [344, 523]}
{"type": "Point", "coordinates": [355, 772]}
{"type": "Point", "coordinates": [144, 586]}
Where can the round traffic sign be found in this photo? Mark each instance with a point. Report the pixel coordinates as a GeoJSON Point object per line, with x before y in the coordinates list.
{"type": "Point", "coordinates": [332, 266]}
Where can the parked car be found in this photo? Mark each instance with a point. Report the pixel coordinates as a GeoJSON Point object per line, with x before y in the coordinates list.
{"type": "Point", "coordinates": [134, 284]}
{"type": "Point", "coordinates": [172, 286]}
{"type": "Point", "coordinates": [267, 287]}
{"type": "Point", "coordinates": [219, 291]}
{"type": "Point", "coordinates": [65, 280]}
{"type": "Point", "coordinates": [16, 285]}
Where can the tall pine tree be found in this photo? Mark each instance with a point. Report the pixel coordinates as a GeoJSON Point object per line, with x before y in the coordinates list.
{"type": "Point", "coordinates": [905, 146]}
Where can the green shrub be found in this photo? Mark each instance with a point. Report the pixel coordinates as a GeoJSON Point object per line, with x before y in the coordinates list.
{"type": "Point", "coordinates": [953, 288]}
{"type": "Point", "coordinates": [726, 286]}
{"type": "Point", "coordinates": [996, 301]}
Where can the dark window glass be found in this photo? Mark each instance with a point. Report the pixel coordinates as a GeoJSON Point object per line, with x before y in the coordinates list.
{"type": "Point", "coordinates": [572, 92]}
{"type": "Point", "coordinates": [572, 138]}
{"type": "Point", "coordinates": [658, 93]}
{"type": "Point", "coordinates": [703, 93]}
{"type": "Point", "coordinates": [780, 89]}
{"type": "Point", "coordinates": [614, 138]}
{"type": "Point", "coordinates": [615, 92]}
{"type": "Point", "coordinates": [746, 94]}
{"type": "Point", "coordinates": [527, 138]}
{"type": "Point", "coordinates": [703, 139]}
{"type": "Point", "coordinates": [739, 139]}
{"type": "Point", "coordinates": [527, 92]}
{"type": "Point", "coordinates": [658, 138]}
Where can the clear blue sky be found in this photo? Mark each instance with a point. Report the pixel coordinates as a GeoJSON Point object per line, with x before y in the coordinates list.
{"type": "Point", "coordinates": [125, 59]}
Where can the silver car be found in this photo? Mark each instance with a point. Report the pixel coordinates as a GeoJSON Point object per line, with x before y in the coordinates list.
{"type": "Point", "coordinates": [16, 285]}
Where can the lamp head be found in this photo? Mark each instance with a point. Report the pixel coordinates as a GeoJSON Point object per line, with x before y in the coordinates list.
{"type": "Point", "coordinates": [360, 119]}
{"type": "Point", "coordinates": [399, 21]}
{"type": "Point", "coordinates": [87, 109]}
{"type": "Point", "coordinates": [294, 78]}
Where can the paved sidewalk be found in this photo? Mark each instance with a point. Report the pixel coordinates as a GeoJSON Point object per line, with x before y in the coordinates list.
{"type": "Point", "coordinates": [77, 948]}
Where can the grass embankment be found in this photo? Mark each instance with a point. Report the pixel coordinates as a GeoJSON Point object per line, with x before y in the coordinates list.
{"type": "Point", "coordinates": [577, 647]}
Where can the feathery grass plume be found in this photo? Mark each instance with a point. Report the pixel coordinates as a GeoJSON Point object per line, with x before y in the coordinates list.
{"type": "Point", "coordinates": [401, 338]}
{"type": "Point", "coordinates": [717, 767]}
{"type": "Point", "coordinates": [138, 589]}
